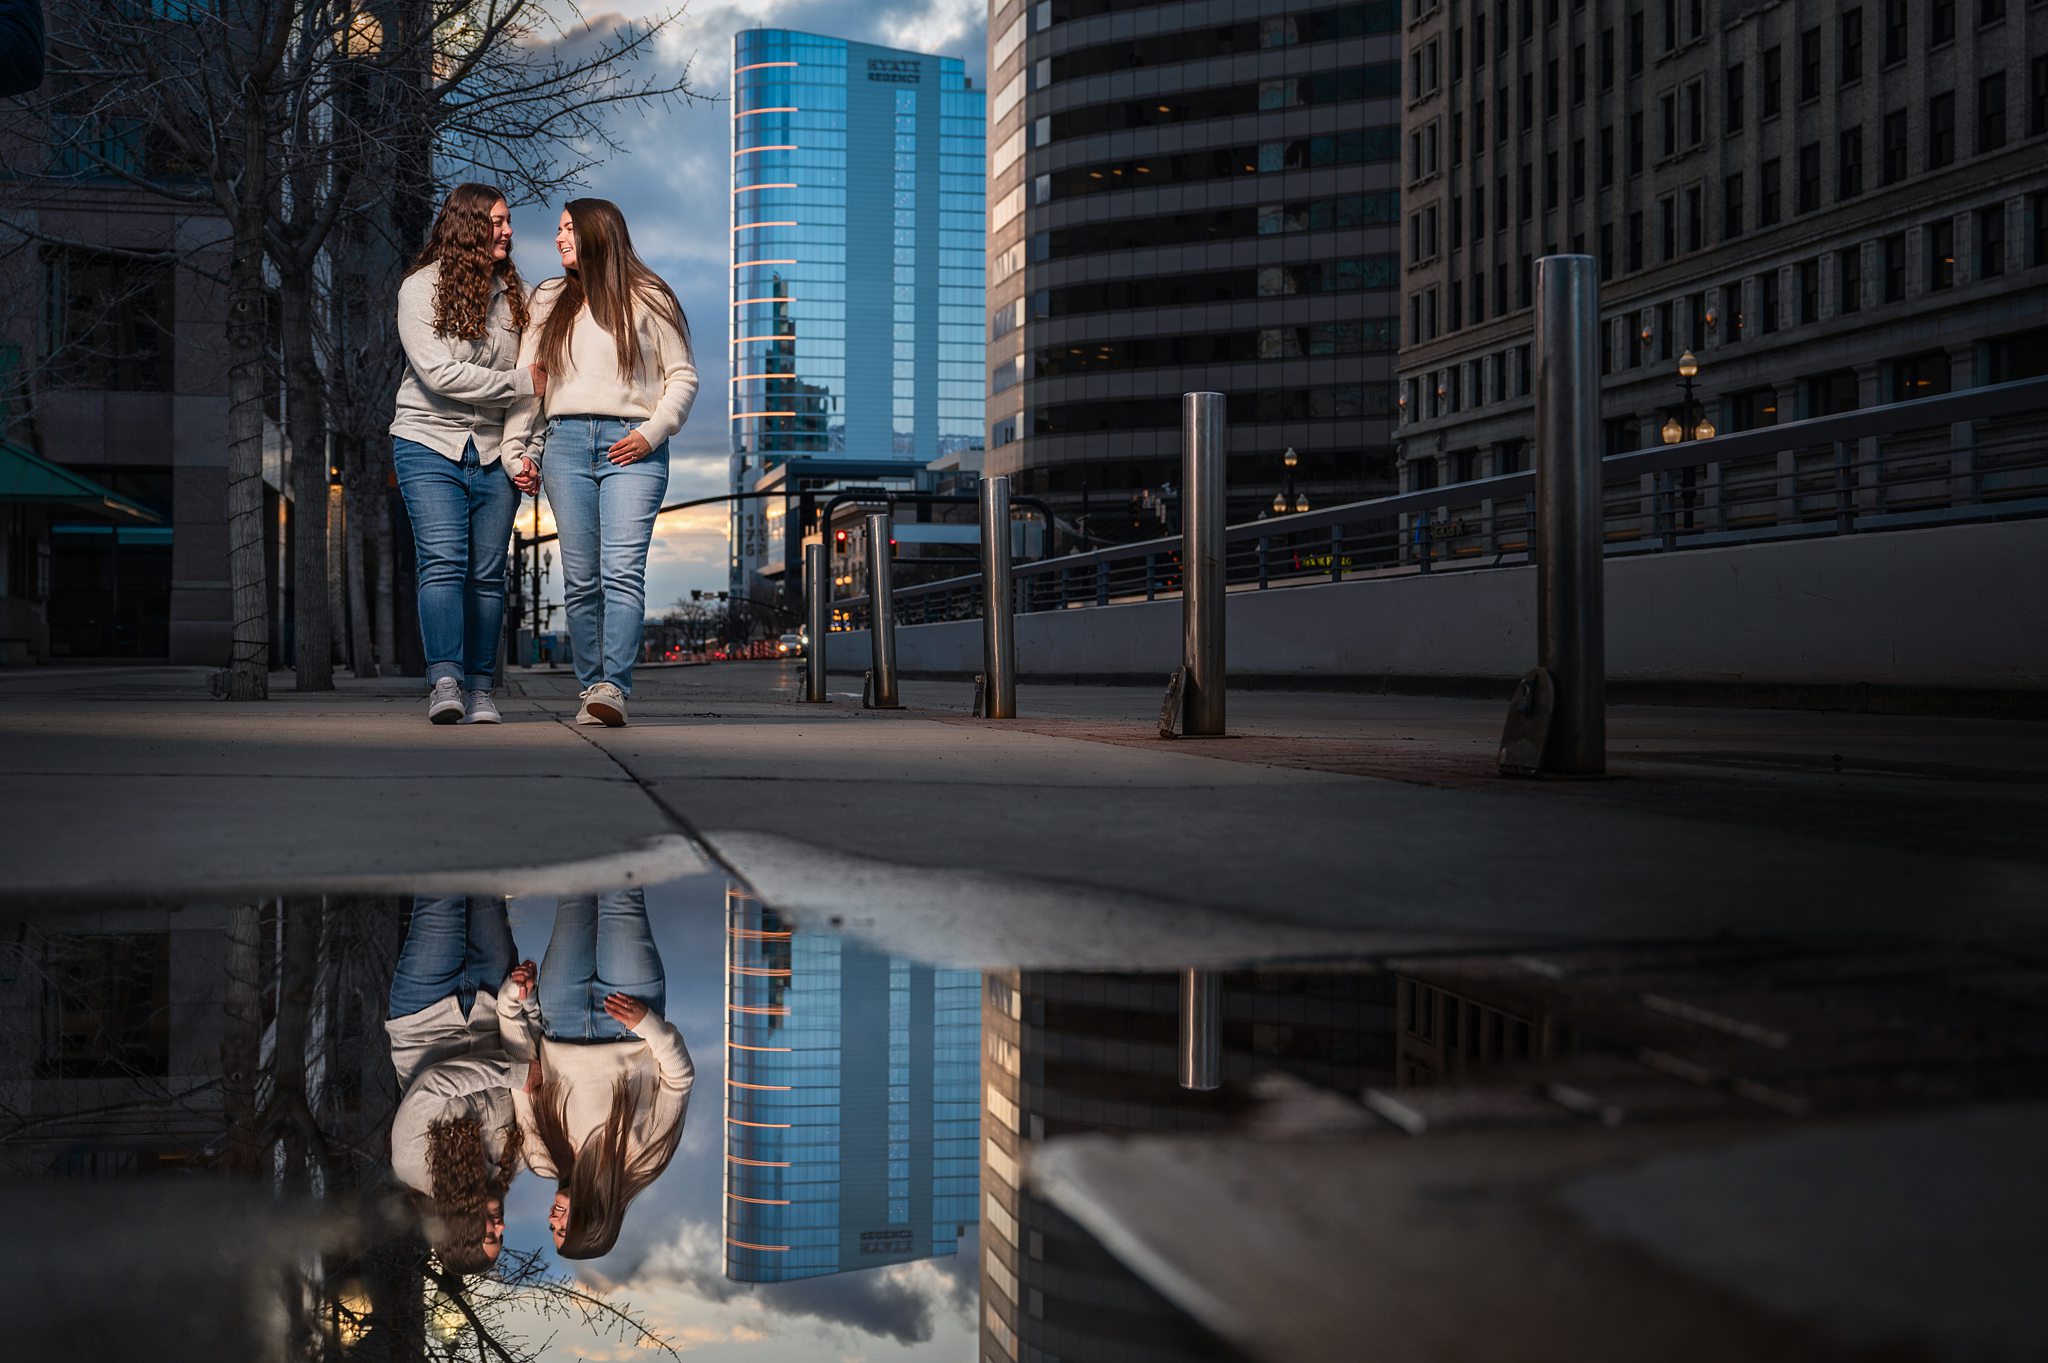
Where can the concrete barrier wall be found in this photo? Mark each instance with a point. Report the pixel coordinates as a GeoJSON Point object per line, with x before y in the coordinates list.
{"type": "Point", "coordinates": [1957, 606]}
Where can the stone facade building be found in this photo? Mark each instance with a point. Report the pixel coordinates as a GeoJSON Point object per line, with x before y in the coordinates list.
{"type": "Point", "coordinates": [1831, 205]}
{"type": "Point", "coordinates": [1188, 196]}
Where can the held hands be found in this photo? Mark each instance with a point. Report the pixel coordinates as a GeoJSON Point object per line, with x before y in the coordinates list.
{"type": "Point", "coordinates": [519, 983]}
{"type": "Point", "coordinates": [540, 380]}
{"type": "Point", "coordinates": [533, 1076]}
{"type": "Point", "coordinates": [630, 450]}
{"type": "Point", "coordinates": [525, 474]}
{"type": "Point", "coordinates": [626, 1010]}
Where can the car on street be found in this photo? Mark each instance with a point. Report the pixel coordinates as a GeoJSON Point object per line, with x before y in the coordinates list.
{"type": "Point", "coordinates": [790, 646]}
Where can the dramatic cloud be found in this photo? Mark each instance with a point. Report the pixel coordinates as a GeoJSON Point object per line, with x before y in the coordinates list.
{"type": "Point", "coordinates": [672, 184]}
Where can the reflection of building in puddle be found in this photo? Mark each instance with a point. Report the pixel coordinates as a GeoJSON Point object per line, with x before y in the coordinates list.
{"type": "Point", "coordinates": [1066, 1053]}
{"type": "Point", "coordinates": [851, 1116]}
{"type": "Point", "coordinates": [111, 1025]}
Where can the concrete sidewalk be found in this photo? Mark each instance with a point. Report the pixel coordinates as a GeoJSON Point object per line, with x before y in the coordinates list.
{"type": "Point", "coordinates": [1374, 818]}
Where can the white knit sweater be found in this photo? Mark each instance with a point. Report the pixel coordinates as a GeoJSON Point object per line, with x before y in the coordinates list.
{"type": "Point", "coordinates": [657, 395]}
{"type": "Point", "coordinates": [656, 1064]}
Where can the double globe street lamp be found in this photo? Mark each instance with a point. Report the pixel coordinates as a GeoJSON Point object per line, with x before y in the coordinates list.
{"type": "Point", "coordinates": [1288, 500]}
{"type": "Point", "coordinates": [1682, 427]}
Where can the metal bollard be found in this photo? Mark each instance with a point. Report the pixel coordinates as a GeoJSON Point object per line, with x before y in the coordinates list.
{"type": "Point", "coordinates": [1570, 602]}
{"type": "Point", "coordinates": [1202, 443]}
{"type": "Point", "coordinates": [1201, 1029]}
{"type": "Point", "coordinates": [881, 613]}
{"type": "Point", "coordinates": [998, 628]}
{"type": "Point", "coordinates": [818, 606]}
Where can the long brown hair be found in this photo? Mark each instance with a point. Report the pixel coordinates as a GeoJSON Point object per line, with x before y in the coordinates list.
{"type": "Point", "coordinates": [601, 1178]}
{"type": "Point", "coordinates": [612, 281]}
{"type": "Point", "coordinates": [461, 245]}
{"type": "Point", "coordinates": [465, 1183]}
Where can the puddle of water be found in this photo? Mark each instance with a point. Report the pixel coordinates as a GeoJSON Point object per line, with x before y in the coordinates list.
{"type": "Point", "coordinates": [852, 1174]}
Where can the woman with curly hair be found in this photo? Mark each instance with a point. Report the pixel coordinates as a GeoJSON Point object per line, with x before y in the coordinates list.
{"type": "Point", "coordinates": [461, 312]}
{"type": "Point", "coordinates": [455, 1139]}
{"type": "Point", "coordinates": [614, 1077]}
{"type": "Point", "coordinates": [616, 348]}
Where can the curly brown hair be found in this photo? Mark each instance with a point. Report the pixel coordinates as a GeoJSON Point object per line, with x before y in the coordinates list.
{"type": "Point", "coordinates": [461, 245]}
{"type": "Point", "coordinates": [465, 1184]}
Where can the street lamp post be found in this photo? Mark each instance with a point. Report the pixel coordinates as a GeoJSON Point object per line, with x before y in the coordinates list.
{"type": "Point", "coordinates": [1678, 429]}
{"type": "Point", "coordinates": [1287, 500]}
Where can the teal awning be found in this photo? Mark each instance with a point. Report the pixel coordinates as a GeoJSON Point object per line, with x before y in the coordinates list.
{"type": "Point", "coordinates": [25, 477]}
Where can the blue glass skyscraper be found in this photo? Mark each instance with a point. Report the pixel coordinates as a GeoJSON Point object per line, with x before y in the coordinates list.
{"type": "Point", "coordinates": [852, 1112]}
{"type": "Point", "coordinates": [857, 334]}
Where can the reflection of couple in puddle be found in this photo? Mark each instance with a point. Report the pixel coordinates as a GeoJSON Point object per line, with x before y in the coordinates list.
{"type": "Point", "coordinates": [570, 1070]}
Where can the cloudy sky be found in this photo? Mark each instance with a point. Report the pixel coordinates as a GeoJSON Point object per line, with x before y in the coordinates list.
{"type": "Point", "coordinates": [673, 184]}
{"type": "Point", "coordinates": [670, 1259]}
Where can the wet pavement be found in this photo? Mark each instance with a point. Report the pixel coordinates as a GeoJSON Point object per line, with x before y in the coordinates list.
{"type": "Point", "coordinates": [1001, 1052]}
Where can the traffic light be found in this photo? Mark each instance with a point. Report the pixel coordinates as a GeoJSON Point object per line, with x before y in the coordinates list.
{"type": "Point", "coordinates": [839, 538]}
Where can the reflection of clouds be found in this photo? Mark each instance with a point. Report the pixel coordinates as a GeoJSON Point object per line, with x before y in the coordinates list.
{"type": "Point", "coordinates": [903, 1302]}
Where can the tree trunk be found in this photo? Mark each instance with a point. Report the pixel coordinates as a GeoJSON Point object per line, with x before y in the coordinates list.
{"type": "Point", "coordinates": [297, 967]}
{"type": "Point", "coordinates": [364, 658]}
{"type": "Point", "coordinates": [306, 425]}
{"type": "Point", "coordinates": [241, 1039]}
{"type": "Point", "coordinates": [247, 676]}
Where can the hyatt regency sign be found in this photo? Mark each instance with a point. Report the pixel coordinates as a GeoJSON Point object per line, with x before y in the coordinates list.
{"type": "Point", "coordinates": [895, 72]}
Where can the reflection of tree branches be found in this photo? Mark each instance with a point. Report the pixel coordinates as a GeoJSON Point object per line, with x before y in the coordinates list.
{"type": "Point", "coordinates": [523, 1281]}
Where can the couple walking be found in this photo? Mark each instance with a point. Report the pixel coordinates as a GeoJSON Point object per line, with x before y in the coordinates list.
{"type": "Point", "coordinates": [569, 1070]}
{"type": "Point", "coordinates": [577, 388]}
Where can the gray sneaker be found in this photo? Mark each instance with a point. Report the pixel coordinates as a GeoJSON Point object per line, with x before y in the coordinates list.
{"type": "Point", "coordinates": [482, 709]}
{"type": "Point", "coordinates": [606, 704]}
{"type": "Point", "coordinates": [444, 702]}
{"type": "Point", "coordinates": [584, 714]}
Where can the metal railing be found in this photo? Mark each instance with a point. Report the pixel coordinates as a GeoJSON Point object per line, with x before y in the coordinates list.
{"type": "Point", "coordinates": [1974, 455]}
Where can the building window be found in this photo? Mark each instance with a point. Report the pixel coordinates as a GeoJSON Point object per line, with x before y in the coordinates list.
{"type": "Point", "coordinates": [1579, 74]}
{"type": "Point", "coordinates": [1768, 201]}
{"type": "Point", "coordinates": [1635, 241]}
{"type": "Point", "coordinates": [1991, 112]}
{"type": "Point", "coordinates": [1525, 191]}
{"type": "Point", "coordinates": [1607, 156]}
{"type": "Point", "coordinates": [1606, 59]}
{"type": "Point", "coordinates": [1731, 313]}
{"type": "Point", "coordinates": [1989, 12]}
{"type": "Point", "coordinates": [1696, 308]}
{"type": "Point", "coordinates": [1941, 22]}
{"type": "Point", "coordinates": [1809, 292]}
{"type": "Point", "coordinates": [1894, 247]}
{"type": "Point", "coordinates": [1925, 375]}
{"type": "Point", "coordinates": [1849, 279]}
{"type": "Point", "coordinates": [1635, 43]}
{"type": "Point", "coordinates": [1941, 130]}
{"type": "Point", "coordinates": [1895, 146]}
{"type": "Point", "coordinates": [1457, 54]}
{"type": "Point", "coordinates": [2037, 210]}
{"type": "Point", "coordinates": [1851, 52]}
{"type": "Point", "coordinates": [1809, 177]}
{"type": "Point", "coordinates": [1731, 99]}
{"type": "Point", "coordinates": [1849, 163]}
{"type": "Point", "coordinates": [1731, 207]}
{"type": "Point", "coordinates": [1667, 123]}
{"type": "Point", "coordinates": [2037, 97]}
{"type": "Point", "coordinates": [1809, 64]}
{"type": "Point", "coordinates": [1456, 302]}
{"type": "Point", "coordinates": [1772, 89]}
{"type": "Point", "coordinates": [1500, 114]}
{"type": "Point", "coordinates": [1550, 182]}
{"type": "Point", "coordinates": [1941, 253]}
{"type": "Point", "coordinates": [1991, 241]}
{"type": "Point", "coordinates": [1523, 289]}
{"type": "Point", "coordinates": [1526, 105]}
{"type": "Point", "coordinates": [1478, 41]}
{"type": "Point", "coordinates": [1579, 169]}
{"type": "Point", "coordinates": [1457, 227]}
{"type": "Point", "coordinates": [1694, 214]}
{"type": "Point", "coordinates": [1606, 251]}
{"type": "Point", "coordinates": [108, 321]}
{"type": "Point", "coordinates": [1550, 89]}
{"type": "Point", "coordinates": [1767, 302]}
{"type": "Point", "coordinates": [1478, 213]}
{"type": "Point", "coordinates": [1896, 18]}
{"type": "Point", "coordinates": [1635, 144]}
{"type": "Point", "coordinates": [1667, 227]}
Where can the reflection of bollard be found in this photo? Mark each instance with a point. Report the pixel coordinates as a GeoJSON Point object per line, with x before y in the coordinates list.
{"type": "Point", "coordinates": [1558, 722]}
{"type": "Point", "coordinates": [881, 613]}
{"type": "Point", "coordinates": [1201, 1029]}
{"type": "Point", "coordinates": [818, 607]}
{"type": "Point", "coordinates": [1202, 443]}
{"type": "Point", "coordinates": [998, 629]}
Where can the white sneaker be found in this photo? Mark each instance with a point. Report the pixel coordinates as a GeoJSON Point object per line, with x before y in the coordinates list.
{"type": "Point", "coordinates": [444, 702]}
{"type": "Point", "coordinates": [607, 704]}
{"type": "Point", "coordinates": [583, 713]}
{"type": "Point", "coordinates": [482, 709]}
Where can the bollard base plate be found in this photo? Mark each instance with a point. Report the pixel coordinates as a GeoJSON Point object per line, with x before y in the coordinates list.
{"type": "Point", "coordinates": [1169, 709]}
{"type": "Point", "coordinates": [867, 693]}
{"type": "Point", "coordinates": [980, 694]}
{"type": "Point", "coordinates": [1527, 731]}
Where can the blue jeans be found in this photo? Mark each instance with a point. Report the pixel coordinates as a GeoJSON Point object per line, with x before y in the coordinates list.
{"type": "Point", "coordinates": [452, 946]}
{"type": "Point", "coordinates": [605, 515]}
{"type": "Point", "coordinates": [600, 946]}
{"type": "Point", "coordinates": [461, 523]}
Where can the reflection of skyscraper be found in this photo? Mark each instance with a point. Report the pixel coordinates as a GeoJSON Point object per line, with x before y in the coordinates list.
{"type": "Point", "coordinates": [1066, 1053]}
{"type": "Point", "coordinates": [856, 325]}
{"type": "Point", "coordinates": [851, 1116]}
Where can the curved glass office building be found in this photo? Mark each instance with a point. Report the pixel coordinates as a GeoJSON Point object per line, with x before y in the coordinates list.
{"type": "Point", "coordinates": [856, 329]}
{"type": "Point", "coordinates": [1184, 197]}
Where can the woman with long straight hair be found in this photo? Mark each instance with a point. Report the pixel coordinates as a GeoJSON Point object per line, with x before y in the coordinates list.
{"type": "Point", "coordinates": [456, 1139]}
{"type": "Point", "coordinates": [615, 346]}
{"type": "Point", "coordinates": [604, 1104]}
{"type": "Point", "coordinates": [461, 310]}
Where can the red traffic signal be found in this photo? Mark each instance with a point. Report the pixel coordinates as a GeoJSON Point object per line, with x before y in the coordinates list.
{"type": "Point", "coordinates": [840, 537]}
